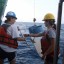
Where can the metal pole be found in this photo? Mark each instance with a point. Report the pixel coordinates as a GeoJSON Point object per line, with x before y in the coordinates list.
{"type": "Point", "coordinates": [58, 32]}
{"type": "Point", "coordinates": [0, 21]}
{"type": "Point", "coordinates": [63, 57]}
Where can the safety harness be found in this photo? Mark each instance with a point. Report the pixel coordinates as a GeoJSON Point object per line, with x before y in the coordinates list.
{"type": "Point", "coordinates": [5, 38]}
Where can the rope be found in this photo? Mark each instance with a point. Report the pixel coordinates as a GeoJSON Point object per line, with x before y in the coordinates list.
{"type": "Point", "coordinates": [34, 8]}
{"type": "Point", "coordinates": [34, 19]}
{"type": "Point", "coordinates": [23, 36]}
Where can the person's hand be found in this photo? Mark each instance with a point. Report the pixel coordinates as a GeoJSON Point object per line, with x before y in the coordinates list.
{"type": "Point", "coordinates": [44, 33]}
{"type": "Point", "coordinates": [24, 39]}
{"type": "Point", "coordinates": [26, 35]}
{"type": "Point", "coordinates": [21, 39]}
{"type": "Point", "coordinates": [45, 54]}
{"type": "Point", "coordinates": [43, 57]}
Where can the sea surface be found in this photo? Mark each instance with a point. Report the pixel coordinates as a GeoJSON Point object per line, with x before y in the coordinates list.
{"type": "Point", "coordinates": [26, 51]}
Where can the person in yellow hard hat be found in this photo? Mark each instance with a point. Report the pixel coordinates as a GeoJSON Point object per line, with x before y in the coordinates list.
{"type": "Point", "coordinates": [49, 21]}
{"type": "Point", "coordinates": [48, 38]}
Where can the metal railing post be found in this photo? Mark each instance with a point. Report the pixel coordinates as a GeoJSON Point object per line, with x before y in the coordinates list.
{"type": "Point", "coordinates": [58, 32]}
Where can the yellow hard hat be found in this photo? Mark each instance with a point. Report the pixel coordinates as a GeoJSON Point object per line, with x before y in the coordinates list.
{"type": "Point", "coordinates": [48, 16]}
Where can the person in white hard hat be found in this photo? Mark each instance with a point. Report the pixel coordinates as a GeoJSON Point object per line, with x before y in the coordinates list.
{"type": "Point", "coordinates": [8, 49]}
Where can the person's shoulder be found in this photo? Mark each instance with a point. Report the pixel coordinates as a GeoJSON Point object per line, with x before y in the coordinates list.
{"type": "Point", "coordinates": [51, 30]}
{"type": "Point", "coordinates": [13, 25]}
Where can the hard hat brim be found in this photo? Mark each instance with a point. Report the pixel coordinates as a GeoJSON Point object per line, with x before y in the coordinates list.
{"type": "Point", "coordinates": [43, 20]}
{"type": "Point", "coordinates": [47, 19]}
{"type": "Point", "coordinates": [10, 16]}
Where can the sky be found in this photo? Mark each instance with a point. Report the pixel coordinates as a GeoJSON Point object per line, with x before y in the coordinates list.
{"type": "Point", "coordinates": [26, 10]}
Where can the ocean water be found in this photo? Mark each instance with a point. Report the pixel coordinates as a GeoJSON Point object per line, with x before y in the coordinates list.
{"type": "Point", "coordinates": [26, 51]}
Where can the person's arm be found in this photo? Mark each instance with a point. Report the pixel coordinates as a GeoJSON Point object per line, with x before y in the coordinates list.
{"type": "Point", "coordinates": [51, 48]}
{"type": "Point", "coordinates": [35, 35]}
{"type": "Point", "coordinates": [32, 35]}
{"type": "Point", "coordinates": [20, 39]}
{"type": "Point", "coordinates": [52, 36]}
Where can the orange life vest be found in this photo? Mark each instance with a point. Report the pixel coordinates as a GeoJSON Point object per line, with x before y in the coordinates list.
{"type": "Point", "coordinates": [6, 39]}
{"type": "Point", "coordinates": [45, 44]}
